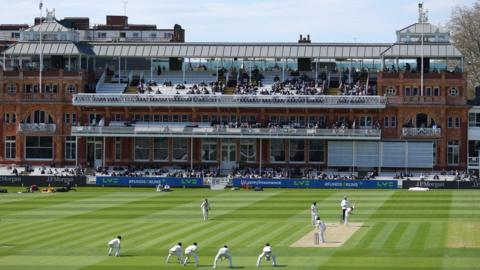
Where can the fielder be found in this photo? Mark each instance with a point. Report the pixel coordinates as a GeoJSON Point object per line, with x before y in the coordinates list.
{"type": "Point", "coordinates": [114, 245]}
{"type": "Point", "coordinates": [267, 253]}
{"type": "Point", "coordinates": [190, 251]}
{"type": "Point", "coordinates": [320, 230]}
{"type": "Point", "coordinates": [175, 251]}
{"type": "Point", "coordinates": [344, 204]}
{"type": "Point", "coordinates": [348, 212]}
{"type": "Point", "coordinates": [223, 253]}
{"type": "Point", "coordinates": [205, 208]}
{"type": "Point", "coordinates": [314, 212]}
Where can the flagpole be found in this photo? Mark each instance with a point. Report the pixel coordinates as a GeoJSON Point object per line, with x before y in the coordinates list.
{"type": "Point", "coordinates": [41, 49]}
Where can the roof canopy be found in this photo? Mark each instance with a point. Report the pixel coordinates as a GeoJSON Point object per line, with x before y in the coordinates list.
{"type": "Point", "coordinates": [50, 48]}
{"type": "Point", "coordinates": [239, 50]}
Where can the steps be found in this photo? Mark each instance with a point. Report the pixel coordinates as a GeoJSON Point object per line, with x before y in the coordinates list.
{"type": "Point", "coordinates": [111, 88]}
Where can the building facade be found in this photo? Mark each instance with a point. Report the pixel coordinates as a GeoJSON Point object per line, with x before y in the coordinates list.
{"type": "Point", "coordinates": [375, 110]}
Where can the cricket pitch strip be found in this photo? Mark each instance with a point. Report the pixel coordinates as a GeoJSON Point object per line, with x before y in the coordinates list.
{"type": "Point", "coordinates": [335, 235]}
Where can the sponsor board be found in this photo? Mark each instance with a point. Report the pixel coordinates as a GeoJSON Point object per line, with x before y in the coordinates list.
{"type": "Point", "coordinates": [442, 184]}
{"type": "Point", "coordinates": [307, 183]}
{"type": "Point", "coordinates": [54, 181]}
{"type": "Point", "coordinates": [148, 181]}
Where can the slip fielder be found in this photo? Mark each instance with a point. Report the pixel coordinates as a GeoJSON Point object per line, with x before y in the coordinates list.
{"type": "Point", "coordinates": [223, 253]}
{"type": "Point", "coordinates": [267, 253]}
{"type": "Point", "coordinates": [191, 251]}
{"type": "Point", "coordinates": [175, 251]}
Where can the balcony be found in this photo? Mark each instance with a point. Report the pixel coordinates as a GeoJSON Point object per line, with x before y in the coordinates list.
{"type": "Point", "coordinates": [228, 101]}
{"type": "Point", "coordinates": [421, 132]}
{"type": "Point", "coordinates": [37, 128]}
{"type": "Point", "coordinates": [213, 132]}
{"type": "Point", "coordinates": [34, 97]}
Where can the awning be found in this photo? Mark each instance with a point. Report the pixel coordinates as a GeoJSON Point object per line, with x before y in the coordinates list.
{"type": "Point", "coordinates": [48, 48]}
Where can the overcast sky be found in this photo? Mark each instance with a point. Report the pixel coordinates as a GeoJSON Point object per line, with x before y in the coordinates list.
{"type": "Point", "coordinates": [251, 20]}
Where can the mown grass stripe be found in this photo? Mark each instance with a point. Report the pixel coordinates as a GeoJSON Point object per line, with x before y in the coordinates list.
{"type": "Point", "coordinates": [372, 233]}
{"type": "Point", "coordinates": [395, 236]}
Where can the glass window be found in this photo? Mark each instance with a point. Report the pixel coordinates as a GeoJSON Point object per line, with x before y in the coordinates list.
{"type": "Point", "coordinates": [71, 89]}
{"type": "Point", "coordinates": [436, 91]}
{"type": "Point", "coordinates": [142, 149]}
{"type": "Point", "coordinates": [209, 150]}
{"type": "Point", "coordinates": [66, 118]}
{"type": "Point", "coordinates": [428, 91]}
{"type": "Point", "coordinates": [365, 121]}
{"type": "Point", "coordinates": [37, 147]}
{"type": "Point", "coordinates": [180, 149]}
{"type": "Point", "coordinates": [70, 148]}
{"type": "Point", "coordinates": [391, 91]}
{"type": "Point", "coordinates": [407, 91]}
{"type": "Point", "coordinates": [297, 151]}
{"type": "Point", "coordinates": [248, 151]}
{"type": "Point", "coordinates": [453, 152]}
{"type": "Point", "coordinates": [11, 88]}
{"type": "Point", "coordinates": [316, 152]}
{"type": "Point", "coordinates": [10, 147]}
{"type": "Point", "coordinates": [118, 149]}
{"type": "Point", "coordinates": [160, 149]}
{"type": "Point", "coordinates": [393, 121]}
{"type": "Point", "coordinates": [277, 150]}
{"type": "Point", "coordinates": [386, 122]}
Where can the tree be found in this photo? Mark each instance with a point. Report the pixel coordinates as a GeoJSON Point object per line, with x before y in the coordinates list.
{"type": "Point", "coordinates": [465, 28]}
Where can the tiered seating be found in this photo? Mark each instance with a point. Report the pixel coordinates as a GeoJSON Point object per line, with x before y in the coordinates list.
{"type": "Point", "coordinates": [111, 88]}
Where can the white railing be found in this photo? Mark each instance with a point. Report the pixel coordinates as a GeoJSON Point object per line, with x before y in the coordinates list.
{"type": "Point", "coordinates": [32, 128]}
{"type": "Point", "coordinates": [214, 132]}
{"type": "Point", "coordinates": [421, 132]}
{"type": "Point", "coordinates": [186, 100]}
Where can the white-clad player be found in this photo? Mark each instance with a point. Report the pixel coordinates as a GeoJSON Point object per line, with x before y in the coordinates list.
{"type": "Point", "coordinates": [223, 253]}
{"type": "Point", "coordinates": [314, 212]}
{"type": "Point", "coordinates": [114, 245]}
{"type": "Point", "coordinates": [191, 251]}
{"type": "Point", "coordinates": [268, 254]}
{"type": "Point", "coordinates": [176, 251]}
{"type": "Point", "coordinates": [320, 228]}
{"type": "Point", "coordinates": [205, 208]}
{"type": "Point", "coordinates": [348, 212]}
{"type": "Point", "coordinates": [344, 204]}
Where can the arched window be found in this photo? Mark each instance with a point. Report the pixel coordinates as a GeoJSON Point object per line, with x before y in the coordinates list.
{"type": "Point", "coordinates": [39, 117]}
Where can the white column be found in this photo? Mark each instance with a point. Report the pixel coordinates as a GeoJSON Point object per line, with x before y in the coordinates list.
{"type": "Point", "coordinates": [216, 66]}
{"type": "Point", "coordinates": [69, 63]}
{"type": "Point", "coordinates": [79, 62]}
{"type": "Point", "coordinates": [260, 158]}
{"type": "Point", "coordinates": [119, 69]}
{"type": "Point", "coordinates": [183, 70]}
{"type": "Point", "coordinates": [151, 69]}
{"type": "Point", "coordinates": [191, 153]}
{"type": "Point", "coordinates": [104, 148]}
{"type": "Point", "coordinates": [283, 70]}
{"type": "Point", "coordinates": [76, 151]}
{"type": "Point", "coordinates": [316, 70]}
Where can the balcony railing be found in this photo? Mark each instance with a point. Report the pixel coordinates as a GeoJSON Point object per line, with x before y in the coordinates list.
{"type": "Point", "coordinates": [35, 97]}
{"type": "Point", "coordinates": [37, 128]}
{"type": "Point", "coordinates": [213, 132]}
{"type": "Point", "coordinates": [247, 101]}
{"type": "Point", "coordinates": [422, 132]}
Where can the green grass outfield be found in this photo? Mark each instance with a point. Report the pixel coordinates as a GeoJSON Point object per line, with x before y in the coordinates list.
{"type": "Point", "coordinates": [403, 230]}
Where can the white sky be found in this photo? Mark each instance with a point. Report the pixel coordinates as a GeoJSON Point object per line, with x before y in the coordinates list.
{"type": "Point", "coordinates": [251, 20]}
